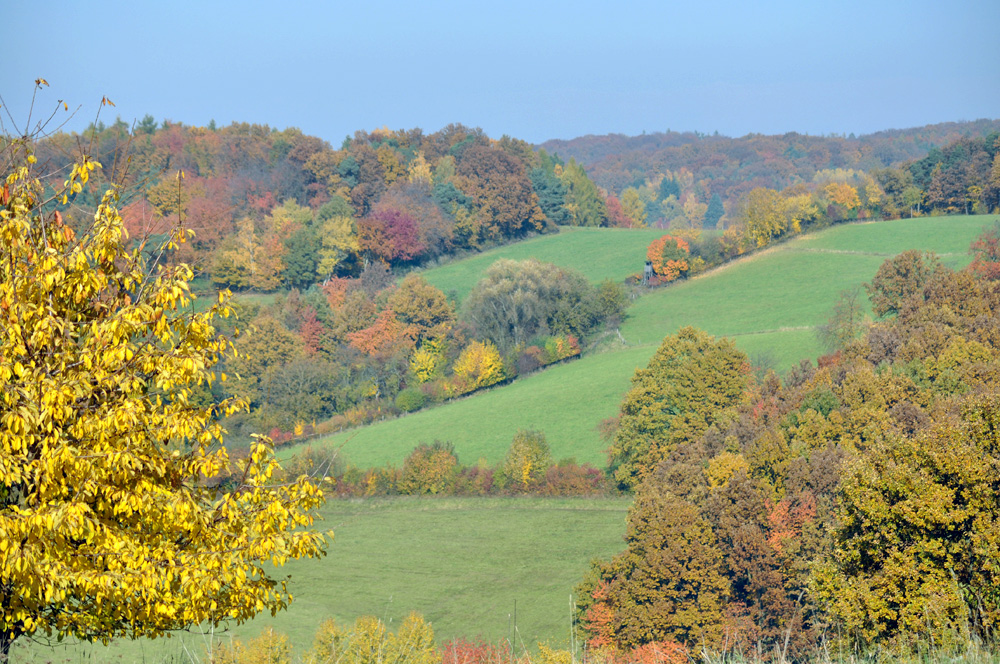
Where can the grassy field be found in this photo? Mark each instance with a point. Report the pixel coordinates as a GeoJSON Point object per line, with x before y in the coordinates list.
{"type": "Point", "coordinates": [567, 402]}
{"type": "Point", "coordinates": [793, 285]}
{"type": "Point", "coordinates": [462, 563]}
{"type": "Point", "coordinates": [769, 303]}
{"type": "Point", "coordinates": [599, 253]}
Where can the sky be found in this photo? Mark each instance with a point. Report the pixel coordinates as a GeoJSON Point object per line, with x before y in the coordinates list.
{"type": "Point", "coordinates": [533, 70]}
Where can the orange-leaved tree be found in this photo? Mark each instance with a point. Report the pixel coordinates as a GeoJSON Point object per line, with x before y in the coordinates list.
{"type": "Point", "coordinates": [113, 518]}
{"type": "Point", "coordinates": [669, 256]}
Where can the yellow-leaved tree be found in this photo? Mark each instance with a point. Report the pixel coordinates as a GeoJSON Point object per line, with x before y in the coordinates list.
{"type": "Point", "coordinates": [121, 514]}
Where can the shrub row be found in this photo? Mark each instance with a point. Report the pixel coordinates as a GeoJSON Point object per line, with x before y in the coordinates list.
{"type": "Point", "coordinates": [434, 469]}
{"type": "Point", "coordinates": [370, 641]}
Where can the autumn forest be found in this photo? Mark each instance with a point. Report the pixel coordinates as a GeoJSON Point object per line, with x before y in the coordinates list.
{"type": "Point", "coordinates": [842, 506]}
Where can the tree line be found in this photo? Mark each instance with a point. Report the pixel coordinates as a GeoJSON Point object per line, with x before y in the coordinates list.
{"type": "Point", "coordinates": [368, 347]}
{"type": "Point", "coordinates": [281, 209]}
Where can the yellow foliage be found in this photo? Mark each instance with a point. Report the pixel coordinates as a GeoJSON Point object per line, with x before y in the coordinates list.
{"type": "Point", "coordinates": [633, 207]}
{"type": "Point", "coordinates": [427, 360]}
{"type": "Point", "coordinates": [369, 642]}
{"type": "Point", "coordinates": [391, 168]}
{"type": "Point", "coordinates": [339, 238]}
{"type": "Point", "coordinates": [723, 466]}
{"type": "Point", "coordinates": [843, 194]}
{"type": "Point", "coordinates": [420, 170]}
{"type": "Point", "coordinates": [800, 209]}
{"type": "Point", "coordinates": [269, 648]}
{"type": "Point", "coordinates": [479, 365]}
{"type": "Point", "coordinates": [547, 655]}
{"type": "Point", "coordinates": [111, 519]}
{"type": "Point", "coordinates": [763, 214]}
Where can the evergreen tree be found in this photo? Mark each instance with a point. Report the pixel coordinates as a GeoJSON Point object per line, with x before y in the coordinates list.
{"type": "Point", "coordinates": [669, 187]}
{"type": "Point", "coordinates": [551, 195]}
{"type": "Point", "coordinates": [715, 211]}
{"type": "Point", "coordinates": [583, 200]}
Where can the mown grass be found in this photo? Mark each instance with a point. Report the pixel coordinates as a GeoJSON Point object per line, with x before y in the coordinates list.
{"type": "Point", "coordinates": [769, 303]}
{"type": "Point", "coordinates": [461, 563]}
{"type": "Point", "coordinates": [599, 253]}
{"type": "Point", "coordinates": [947, 236]}
{"type": "Point", "coordinates": [795, 284]}
{"type": "Point", "coordinates": [567, 402]}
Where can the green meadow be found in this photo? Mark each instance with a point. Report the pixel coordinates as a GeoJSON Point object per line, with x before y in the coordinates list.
{"type": "Point", "coordinates": [769, 303]}
{"type": "Point", "coordinates": [599, 253]}
{"type": "Point", "coordinates": [464, 564]}
{"type": "Point", "coordinates": [567, 402]}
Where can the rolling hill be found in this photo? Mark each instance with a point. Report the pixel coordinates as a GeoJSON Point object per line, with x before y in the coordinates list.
{"type": "Point", "coordinates": [770, 303]}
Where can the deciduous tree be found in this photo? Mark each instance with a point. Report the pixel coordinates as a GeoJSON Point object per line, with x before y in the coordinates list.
{"type": "Point", "coordinates": [985, 250]}
{"type": "Point", "coordinates": [390, 235]}
{"type": "Point", "coordinates": [900, 278]}
{"type": "Point", "coordinates": [763, 213]}
{"type": "Point", "coordinates": [669, 256]}
{"type": "Point", "coordinates": [668, 585]}
{"type": "Point", "coordinates": [501, 192]}
{"type": "Point", "coordinates": [111, 520]}
{"type": "Point", "coordinates": [689, 383]}
{"type": "Point", "coordinates": [918, 538]}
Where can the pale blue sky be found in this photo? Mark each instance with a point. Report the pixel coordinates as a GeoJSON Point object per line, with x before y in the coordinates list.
{"type": "Point", "coordinates": [534, 70]}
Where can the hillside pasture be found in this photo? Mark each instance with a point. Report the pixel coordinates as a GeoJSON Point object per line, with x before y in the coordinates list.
{"type": "Point", "coordinates": [769, 303]}
{"type": "Point", "coordinates": [567, 402]}
{"type": "Point", "coordinates": [598, 253]}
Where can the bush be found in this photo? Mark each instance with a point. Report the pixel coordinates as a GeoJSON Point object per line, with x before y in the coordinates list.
{"type": "Point", "coordinates": [530, 359]}
{"type": "Point", "coordinates": [561, 347]}
{"type": "Point", "coordinates": [411, 399]}
{"type": "Point", "coordinates": [570, 479]}
{"type": "Point", "coordinates": [612, 300]}
{"type": "Point", "coordinates": [430, 469]}
{"type": "Point", "coordinates": [474, 481]}
{"type": "Point", "coordinates": [316, 462]}
{"type": "Point", "coordinates": [370, 642]}
{"type": "Point", "coordinates": [526, 463]}
{"type": "Point", "coordinates": [380, 482]}
{"type": "Point", "coordinates": [479, 366]}
{"type": "Point", "coordinates": [269, 648]}
{"type": "Point", "coordinates": [465, 651]}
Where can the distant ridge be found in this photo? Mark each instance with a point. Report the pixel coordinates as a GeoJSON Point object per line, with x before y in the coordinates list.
{"type": "Point", "coordinates": [733, 165]}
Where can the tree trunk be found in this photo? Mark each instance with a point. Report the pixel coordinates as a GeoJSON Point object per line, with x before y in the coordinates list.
{"type": "Point", "coordinates": [5, 642]}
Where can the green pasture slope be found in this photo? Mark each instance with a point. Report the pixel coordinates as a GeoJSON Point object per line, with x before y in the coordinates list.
{"type": "Point", "coordinates": [770, 304]}
{"type": "Point", "coordinates": [599, 253]}
{"type": "Point", "coordinates": [461, 563]}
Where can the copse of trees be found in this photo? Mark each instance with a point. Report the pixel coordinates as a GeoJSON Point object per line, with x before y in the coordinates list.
{"type": "Point", "coordinates": [279, 209]}
{"type": "Point", "coordinates": [366, 347]}
{"type": "Point", "coordinates": [849, 499]}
